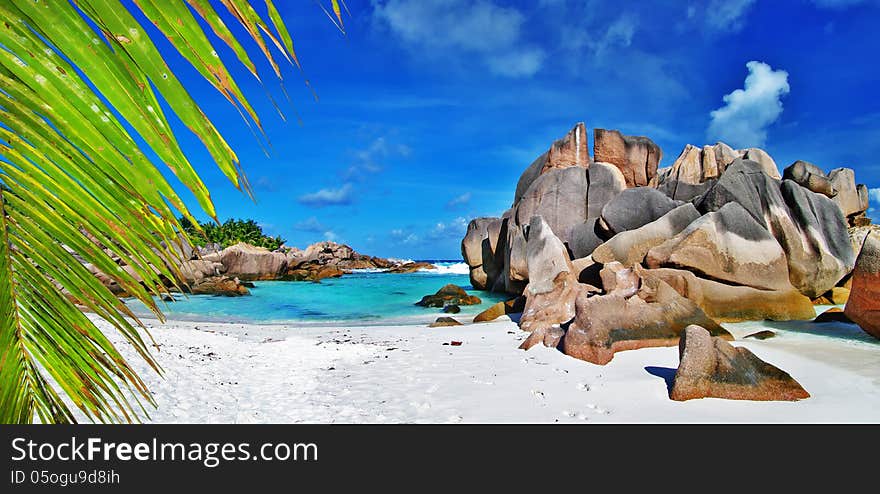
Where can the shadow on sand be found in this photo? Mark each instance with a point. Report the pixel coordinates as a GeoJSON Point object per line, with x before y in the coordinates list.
{"type": "Point", "coordinates": [840, 330]}
{"type": "Point", "coordinates": [665, 373]}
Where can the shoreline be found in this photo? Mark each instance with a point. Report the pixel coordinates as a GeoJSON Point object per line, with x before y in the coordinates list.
{"type": "Point", "coordinates": [282, 373]}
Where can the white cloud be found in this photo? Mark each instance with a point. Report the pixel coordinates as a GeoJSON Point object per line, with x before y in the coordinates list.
{"type": "Point", "coordinates": [440, 231]}
{"type": "Point", "coordinates": [748, 112]}
{"type": "Point", "coordinates": [371, 159]}
{"type": "Point", "coordinates": [619, 34]}
{"type": "Point", "coordinates": [728, 15]}
{"type": "Point", "coordinates": [459, 201]}
{"type": "Point", "coordinates": [598, 37]}
{"type": "Point", "coordinates": [404, 237]}
{"type": "Point", "coordinates": [453, 229]}
{"type": "Point", "coordinates": [462, 29]}
{"type": "Point", "coordinates": [328, 197]}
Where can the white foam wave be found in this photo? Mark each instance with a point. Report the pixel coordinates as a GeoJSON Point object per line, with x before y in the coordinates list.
{"type": "Point", "coordinates": [395, 260]}
{"type": "Point", "coordinates": [449, 268]}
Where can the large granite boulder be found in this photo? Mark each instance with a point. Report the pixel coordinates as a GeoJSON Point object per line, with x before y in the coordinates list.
{"type": "Point", "coordinates": [219, 285]}
{"type": "Point", "coordinates": [693, 171]}
{"type": "Point", "coordinates": [560, 197]}
{"type": "Point", "coordinates": [713, 368]}
{"type": "Point", "coordinates": [696, 169]}
{"type": "Point", "coordinates": [847, 198]}
{"type": "Point", "coordinates": [768, 165]}
{"type": "Point", "coordinates": [449, 295]}
{"type": "Point", "coordinates": [569, 151]}
{"type": "Point", "coordinates": [630, 247]}
{"type": "Point", "coordinates": [821, 254]}
{"type": "Point", "coordinates": [512, 306]}
{"type": "Point", "coordinates": [636, 156]}
{"type": "Point", "coordinates": [808, 226]}
{"type": "Point", "coordinates": [247, 262]}
{"type": "Point", "coordinates": [196, 270]}
{"type": "Point", "coordinates": [619, 279]}
{"type": "Point", "coordinates": [724, 302]}
{"type": "Point", "coordinates": [863, 306]}
{"type": "Point", "coordinates": [585, 238]}
{"type": "Point", "coordinates": [727, 245]}
{"type": "Point", "coordinates": [810, 176]}
{"type": "Point", "coordinates": [553, 285]}
{"type": "Point", "coordinates": [605, 183]}
{"type": "Point", "coordinates": [312, 271]}
{"type": "Point", "coordinates": [516, 269]}
{"type": "Point", "coordinates": [634, 208]}
{"type": "Point", "coordinates": [476, 249]}
{"type": "Point", "coordinates": [654, 316]}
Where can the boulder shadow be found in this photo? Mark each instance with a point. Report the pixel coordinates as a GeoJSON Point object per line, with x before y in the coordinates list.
{"type": "Point", "coordinates": [665, 373]}
{"type": "Point", "coordinates": [833, 329]}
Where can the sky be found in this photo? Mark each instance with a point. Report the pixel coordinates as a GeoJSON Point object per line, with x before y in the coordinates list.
{"type": "Point", "coordinates": [428, 111]}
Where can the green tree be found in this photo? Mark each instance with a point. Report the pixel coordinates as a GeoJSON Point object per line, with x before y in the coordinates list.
{"type": "Point", "coordinates": [77, 189]}
{"type": "Point", "coordinates": [230, 232]}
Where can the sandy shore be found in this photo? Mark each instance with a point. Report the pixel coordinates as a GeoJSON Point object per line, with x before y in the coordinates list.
{"type": "Point", "coordinates": [236, 373]}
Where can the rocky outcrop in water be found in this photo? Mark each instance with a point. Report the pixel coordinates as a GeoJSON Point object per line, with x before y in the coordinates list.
{"type": "Point", "coordinates": [211, 270]}
{"type": "Point", "coordinates": [449, 295]}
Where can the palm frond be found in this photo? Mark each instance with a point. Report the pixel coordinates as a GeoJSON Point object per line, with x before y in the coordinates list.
{"type": "Point", "coordinates": [78, 195]}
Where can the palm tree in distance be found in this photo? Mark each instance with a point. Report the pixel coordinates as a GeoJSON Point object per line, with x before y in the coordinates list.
{"type": "Point", "coordinates": [77, 191]}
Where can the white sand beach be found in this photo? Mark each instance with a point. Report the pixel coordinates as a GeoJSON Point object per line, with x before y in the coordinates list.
{"type": "Point", "coordinates": [239, 373]}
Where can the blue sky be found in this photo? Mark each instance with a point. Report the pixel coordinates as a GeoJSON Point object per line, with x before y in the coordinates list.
{"type": "Point", "coordinates": [429, 110]}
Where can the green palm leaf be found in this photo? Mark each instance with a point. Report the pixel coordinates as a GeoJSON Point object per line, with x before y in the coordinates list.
{"type": "Point", "coordinates": [78, 195]}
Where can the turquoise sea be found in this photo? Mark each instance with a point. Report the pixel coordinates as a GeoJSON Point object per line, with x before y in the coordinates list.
{"type": "Point", "coordinates": [363, 297]}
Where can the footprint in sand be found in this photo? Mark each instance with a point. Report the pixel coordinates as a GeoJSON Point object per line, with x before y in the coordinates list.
{"type": "Point", "coordinates": [598, 409]}
{"type": "Point", "coordinates": [539, 395]}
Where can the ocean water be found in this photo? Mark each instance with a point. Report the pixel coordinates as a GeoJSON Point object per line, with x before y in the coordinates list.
{"type": "Point", "coordinates": [365, 297]}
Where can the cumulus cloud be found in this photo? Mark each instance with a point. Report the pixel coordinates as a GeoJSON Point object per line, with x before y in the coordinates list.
{"type": "Point", "coordinates": [463, 29]}
{"type": "Point", "coordinates": [728, 15]}
{"type": "Point", "coordinates": [459, 201]}
{"type": "Point", "coordinates": [328, 197]}
{"type": "Point", "coordinates": [748, 112]}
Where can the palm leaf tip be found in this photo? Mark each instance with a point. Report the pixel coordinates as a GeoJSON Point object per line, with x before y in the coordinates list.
{"type": "Point", "coordinates": [79, 196]}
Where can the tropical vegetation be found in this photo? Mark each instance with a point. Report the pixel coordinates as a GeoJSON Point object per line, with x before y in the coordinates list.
{"type": "Point", "coordinates": [230, 232]}
{"type": "Point", "coordinates": [86, 105]}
